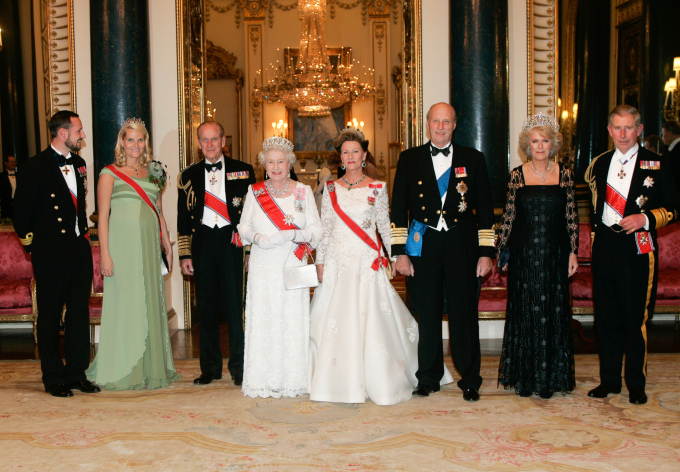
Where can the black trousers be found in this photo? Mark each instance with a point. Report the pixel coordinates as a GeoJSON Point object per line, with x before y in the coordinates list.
{"type": "Point", "coordinates": [447, 269]}
{"type": "Point", "coordinates": [63, 276]}
{"type": "Point", "coordinates": [218, 273]}
{"type": "Point", "coordinates": [623, 282]}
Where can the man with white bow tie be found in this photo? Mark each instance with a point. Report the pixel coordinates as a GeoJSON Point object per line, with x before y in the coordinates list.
{"type": "Point", "coordinates": [442, 235]}
{"type": "Point", "coordinates": [8, 185]}
{"type": "Point", "coordinates": [633, 194]}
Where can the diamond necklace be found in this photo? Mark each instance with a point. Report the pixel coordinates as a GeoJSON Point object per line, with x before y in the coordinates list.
{"type": "Point", "coordinates": [542, 175]}
{"type": "Point", "coordinates": [355, 183]}
{"type": "Point", "coordinates": [277, 193]}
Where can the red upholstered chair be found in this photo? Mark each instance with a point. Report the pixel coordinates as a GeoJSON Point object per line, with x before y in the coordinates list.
{"type": "Point", "coordinates": [97, 293]}
{"type": "Point", "coordinates": [582, 280]}
{"type": "Point", "coordinates": [493, 297]}
{"type": "Point", "coordinates": [17, 286]}
{"type": "Point", "coordinates": [668, 287]}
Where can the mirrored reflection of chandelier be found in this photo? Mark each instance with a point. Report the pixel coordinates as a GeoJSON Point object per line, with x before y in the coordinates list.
{"type": "Point", "coordinates": [313, 86]}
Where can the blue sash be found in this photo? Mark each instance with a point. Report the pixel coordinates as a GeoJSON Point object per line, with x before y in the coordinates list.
{"type": "Point", "coordinates": [443, 182]}
{"type": "Point", "coordinates": [414, 242]}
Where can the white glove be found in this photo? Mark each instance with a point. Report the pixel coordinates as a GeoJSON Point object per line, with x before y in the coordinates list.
{"type": "Point", "coordinates": [262, 240]}
{"type": "Point", "coordinates": [277, 239]}
{"type": "Point", "coordinates": [303, 236]}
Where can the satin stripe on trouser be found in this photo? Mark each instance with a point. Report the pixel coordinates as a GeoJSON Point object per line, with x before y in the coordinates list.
{"type": "Point", "coordinates": [623, 283]}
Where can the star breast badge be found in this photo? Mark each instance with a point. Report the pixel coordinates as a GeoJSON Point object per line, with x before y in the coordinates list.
{"type": "Point", "coordinates": [462, 206]}
{"type": "Point", "coordinates": [288, 220]}
{"type": "Point", "coordinates": [641, 200]}
{"type": "Point", "coordinates": [648, 182]}
{"type": "Point", "coordinates": [236, 202]}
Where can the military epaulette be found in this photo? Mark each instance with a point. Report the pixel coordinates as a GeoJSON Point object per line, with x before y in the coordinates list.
{"type": "Point", "coordinates": [487, 237]}
{"type": "Point", "coordinates": [662, 217]}
{"type": "Point", "coordinates": [27, 240]}
{"type": "Point", "coordinates": [398, 235]}
{"type": "Point", "coordinates": [184, 246]}
{"type": "Point", "coordinates": [590, 179]}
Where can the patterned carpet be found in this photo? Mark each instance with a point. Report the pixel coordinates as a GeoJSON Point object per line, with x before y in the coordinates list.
{"type": "Point", "coordinates": [215, 428]}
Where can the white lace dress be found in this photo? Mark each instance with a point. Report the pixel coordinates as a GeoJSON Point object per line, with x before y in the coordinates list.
{"type": "Point", "coordinates": [276, 319]}
{"type": "Point", "coordinates": [363, 340]}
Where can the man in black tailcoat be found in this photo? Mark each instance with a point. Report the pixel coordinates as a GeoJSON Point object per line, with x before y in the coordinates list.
{"type": "Point", "coordinates": [442, 235]}
{"type": "Point", "coordinates": [8, 185]}
{"type": "Point", "coordinates": [50, 219]}
{"type": "Point", "coordinates": [670, 135]}
{"type": "Point", "coordinates": [209, 204]}
{"type": "Point", "coordinates": [633, 194]}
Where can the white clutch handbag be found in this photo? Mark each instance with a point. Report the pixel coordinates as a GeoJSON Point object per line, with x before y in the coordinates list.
{"type": "Point", "coordinates": [302, 276]}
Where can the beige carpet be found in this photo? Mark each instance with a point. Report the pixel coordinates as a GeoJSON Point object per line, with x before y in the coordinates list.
{"type": "Point", "coordinates": [215, 428]}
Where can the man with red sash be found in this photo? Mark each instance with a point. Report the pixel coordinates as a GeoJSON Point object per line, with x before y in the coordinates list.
{"type": "Point", "coordinates": [209, 204]}
{"type": "Point", "coordinates": [633, 194]}
{"type": "Point", "coordinates": [442, 218]}
{"type": "Point", "coordinates": [51, 222]}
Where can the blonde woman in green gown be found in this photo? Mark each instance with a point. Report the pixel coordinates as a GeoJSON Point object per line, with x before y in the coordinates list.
{"type": "Point", "coordinates": [134, 345]}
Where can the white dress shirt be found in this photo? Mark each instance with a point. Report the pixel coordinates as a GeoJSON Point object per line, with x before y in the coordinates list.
{"type": "Point", "coordinates": [214, 183]}
{"type": "Point", "coordinates": [441, 164]}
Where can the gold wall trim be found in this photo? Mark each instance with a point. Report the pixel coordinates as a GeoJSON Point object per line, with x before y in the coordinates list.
{"type": "Point", "coordinates": [542, 54]}
{"type": "Point", "coordinates": [412, 67]}
{"type": "Point", "coordinates": [59, 73]}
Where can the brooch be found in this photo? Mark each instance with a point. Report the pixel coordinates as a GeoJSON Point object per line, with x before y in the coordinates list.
{"type": "Point", "coordinates": [371, 201]}
{"type": "Point", "coordinates": [366, 224]}
{"type": "Point", "coordinates": [649, 182]}
{"type": "Point", "coordinates": [331, 187]}
{"type": "Point", "coordinates": [289, 220]}
{"type": "Point", "coordinates": [641, 200]}
{"type": "Point", "coordinates": [259, 192]}
{"type": "Point", "coordinates": [236, 202]}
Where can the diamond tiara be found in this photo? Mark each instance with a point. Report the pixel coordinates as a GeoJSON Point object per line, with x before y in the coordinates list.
{"type": "Point", "coordinates": [539, 120]}
{"type": "Point", "coordinates": [137, 121]}
{"type": "Point", "coordinates": [276, 142]}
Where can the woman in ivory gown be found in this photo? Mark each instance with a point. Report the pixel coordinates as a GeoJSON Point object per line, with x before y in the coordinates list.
{"type": "Point", "coordinates": [281, 222]}
{"type": "Point", "coordinates": [363, 339]}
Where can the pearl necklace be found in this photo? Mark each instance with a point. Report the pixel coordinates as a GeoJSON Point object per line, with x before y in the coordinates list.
{"type": "Point", "coordinates": [277, 193]}
{"type": "Point", "coordinates": [355, 183]}
{"type": "Point", "coordinates": [542, 175]}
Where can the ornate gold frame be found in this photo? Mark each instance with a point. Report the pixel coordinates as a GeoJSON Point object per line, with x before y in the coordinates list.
{"type": "Point", "coordinates": [412, 129]}
{"type": "Point", "coordinates": [58, 56]}
{"type": "Point", "coordinates": [542, 55]}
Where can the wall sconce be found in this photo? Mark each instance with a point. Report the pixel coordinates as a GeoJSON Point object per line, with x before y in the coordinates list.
{"type": "Point", "coordinates": [671, 111]}
{"type": "Point", "coordinates": [355, 124]}
{"type": "Point", "coordinates": [280, 129]}
{"type": "Point", "coordinates": [0, 39]}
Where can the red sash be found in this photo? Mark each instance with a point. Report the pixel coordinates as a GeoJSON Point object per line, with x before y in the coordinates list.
{"type": "Point", "coordinates": [276, 216]}
{"type": "Point", "coordinates": [217, 205]}
{"type": "Point", "coordinates": [140, 191]}
{"type": "Point", "coordinates": [380, 261]}
{"type": "Point", "coordinates": [615, 200]}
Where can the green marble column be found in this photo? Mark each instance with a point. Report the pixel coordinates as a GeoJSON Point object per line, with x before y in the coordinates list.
{"type": "Point", "coordinates": [478, 44]}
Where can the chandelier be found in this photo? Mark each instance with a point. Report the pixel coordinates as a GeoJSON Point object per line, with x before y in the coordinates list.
{"type": "Point", "coordinates": [313, 86]}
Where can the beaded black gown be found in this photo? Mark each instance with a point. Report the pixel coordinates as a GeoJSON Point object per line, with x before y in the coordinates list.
{"type": "Point", "coordinates": [540, 228]}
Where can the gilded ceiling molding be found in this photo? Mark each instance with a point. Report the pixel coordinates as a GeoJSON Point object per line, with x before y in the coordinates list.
{"type": "Point", "coordinates": [56, 19]}
{"type": "Point", "coordinates": [542, 56]}
{"type": "Point", "coordinates": [259, 9]}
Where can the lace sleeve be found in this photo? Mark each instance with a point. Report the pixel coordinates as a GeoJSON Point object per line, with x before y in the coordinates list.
{"type": "Point", "coordinates": [514, 182]}
{"type": "Point", "coordinates": [312, 222]}
{"type": "Point", "coordinates": [327, 225]}
{"type": "Point", "coordinates": [567, 181]}
{"type": "Point", "coordinates": [382, 218]}
{"type": "Point", "coordinates": [244, 227]}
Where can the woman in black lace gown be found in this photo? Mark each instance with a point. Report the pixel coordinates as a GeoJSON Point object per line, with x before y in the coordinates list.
{"type": "Point", "coordinates": [539, 228]}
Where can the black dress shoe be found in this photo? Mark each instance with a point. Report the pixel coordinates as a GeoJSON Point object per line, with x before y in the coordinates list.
{"type": "Point", "coordinates": [602, 390]}
{"type": "Point", "coordinates": [637, 397]}
{"type": "Point", "coordinates": [423, 391]}
{"type": "Point", "coordinates": [525, 393]}
{"type": "Point", "coordinates": [545, 394]}
{"type": "Point", "coordinates": [470, 395]}
{"type": "Point", "coordinates": [84, 386]}
{"type": "Point", "coordinates": [238, 380]}
{"type": "Point", "coordinates": [59, 390]}
{"type": "Point", "coordinates": [205, 379]}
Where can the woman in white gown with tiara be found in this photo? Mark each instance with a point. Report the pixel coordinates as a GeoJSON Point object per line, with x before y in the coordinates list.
{"type": "Point", "coordinates": [363, 339]}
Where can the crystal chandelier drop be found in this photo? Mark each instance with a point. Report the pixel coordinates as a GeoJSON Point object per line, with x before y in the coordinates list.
{"type": "Point", "coordinates": [312, 86]}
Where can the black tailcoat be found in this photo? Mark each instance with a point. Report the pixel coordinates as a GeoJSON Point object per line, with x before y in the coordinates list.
{"type": "Point", "coordinates": [447, 268]}
{"type": "Point", "coordinates": [45, 220]}
{"type": "Point", "coordinates": [624, 282]}
{"type": "Point", "coordinates": [218, 264]}
{"type": "Point", "coordinates": [6, 201]}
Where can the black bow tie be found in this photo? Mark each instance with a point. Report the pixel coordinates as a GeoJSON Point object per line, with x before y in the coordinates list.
{"type": "Point", "coordinates": [65, 161]}
{"type": "Point", "coordinates": [436, 150]}
{"type": "Point", "coordinates": [212, 167]}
